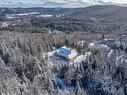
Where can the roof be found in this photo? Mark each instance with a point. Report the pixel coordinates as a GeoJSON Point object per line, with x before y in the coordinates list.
{"type": "Point", "coordinates": [98, 46]}
{"type": "Point", "coordinates": [72, 54]}
{"type": "Point", "coordinates": [67, 52]}
{"type": "Point", "coordinates": [64, 51]}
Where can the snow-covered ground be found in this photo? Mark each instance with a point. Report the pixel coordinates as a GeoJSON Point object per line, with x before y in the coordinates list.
{"type": "Point", "coordinates": [49, 54]}
{"type": "Point", "coordinates": [64, 86]}
{"type": "Point", "coordinates": [25, 14]}
{"type": "Point", "coordinates": [44, 15]}
{"type": "Point", "coordinates": [12, 16]}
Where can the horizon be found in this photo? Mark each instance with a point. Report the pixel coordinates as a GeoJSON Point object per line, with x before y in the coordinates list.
{"type": "Point", "coordinates": [59, 3]}
{"type": "Point", "coordinates": [61, 7]}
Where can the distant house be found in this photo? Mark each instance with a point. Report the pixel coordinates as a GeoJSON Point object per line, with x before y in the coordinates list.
{"type": "Point", "coordinates": [67, 53]}
{"type": "Point", "coordinates": [109, 42]}
{"type": "Point", "coordinates": [97, 46]}
{"type": "Point", "coordinates": [57, 31]}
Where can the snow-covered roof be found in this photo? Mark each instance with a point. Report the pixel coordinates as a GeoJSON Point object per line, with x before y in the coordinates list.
{"type": "Point", "coordinates": [63, 51]}
{"type": "Point", "coordinates": [67, 52]}
{"type": "Point", "coordinates": [92, 44]}
{"type": "Point", "coordinates": [72, 54]}
{"type": "Point", "coordinates": [98, 46]}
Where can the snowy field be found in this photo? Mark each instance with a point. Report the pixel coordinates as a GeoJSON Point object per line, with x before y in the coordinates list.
{"type": "Point", "coordinates": [45, 15]}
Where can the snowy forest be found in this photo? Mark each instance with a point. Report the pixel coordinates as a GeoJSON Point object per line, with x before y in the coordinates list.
{"type": "Point", "coordinates": [63, 51]}
{"type": "Point", "coordinates": [26, 70]}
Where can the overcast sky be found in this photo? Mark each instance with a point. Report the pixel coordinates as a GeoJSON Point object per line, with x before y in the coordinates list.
{"type": "Point", "coordinates": [58, 3]}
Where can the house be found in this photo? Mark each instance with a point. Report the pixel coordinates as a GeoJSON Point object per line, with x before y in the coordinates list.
{"type": "Point", "coordinates": [57, 31]}
{"type": "Point", "coordinates": [109, 42]}
{"type": "Point", "coordinates": [67, 53]}
{"type": "Point", "coordinates": [97, 46]}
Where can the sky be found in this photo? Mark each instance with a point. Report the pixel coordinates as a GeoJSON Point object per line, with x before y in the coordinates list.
{"type": "Point", "coordinates": [58, 3]}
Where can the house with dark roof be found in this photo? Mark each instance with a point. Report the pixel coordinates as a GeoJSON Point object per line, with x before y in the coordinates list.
{"type": "Point", "coordinates": [67, 53]}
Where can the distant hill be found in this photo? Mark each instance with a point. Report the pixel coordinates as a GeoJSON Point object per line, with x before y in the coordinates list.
{"type": "Point", "coordinates": [108, 12]}
{"type": "Point", "coordinates": [108, 18]}
{"type": "Point", "coordinates": [98, 11]}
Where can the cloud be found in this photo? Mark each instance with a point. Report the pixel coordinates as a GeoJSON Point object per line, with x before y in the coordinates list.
{"type": "Point", "coordinates": [78, 3]}
{"type": "Point", "coordinates": [70, 3]}
{"type": "Point", "coordinates": [120, 1]}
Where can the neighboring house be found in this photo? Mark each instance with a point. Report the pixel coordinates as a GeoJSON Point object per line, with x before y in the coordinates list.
{"type": "Point", "coordinates": [96, 46]}
{"type": "Point", "coordinates": [67, 53]}
{"type": "Point", "coordinates": [57, 31]}
{"type": "Point", "coordinates": [109, 42]}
